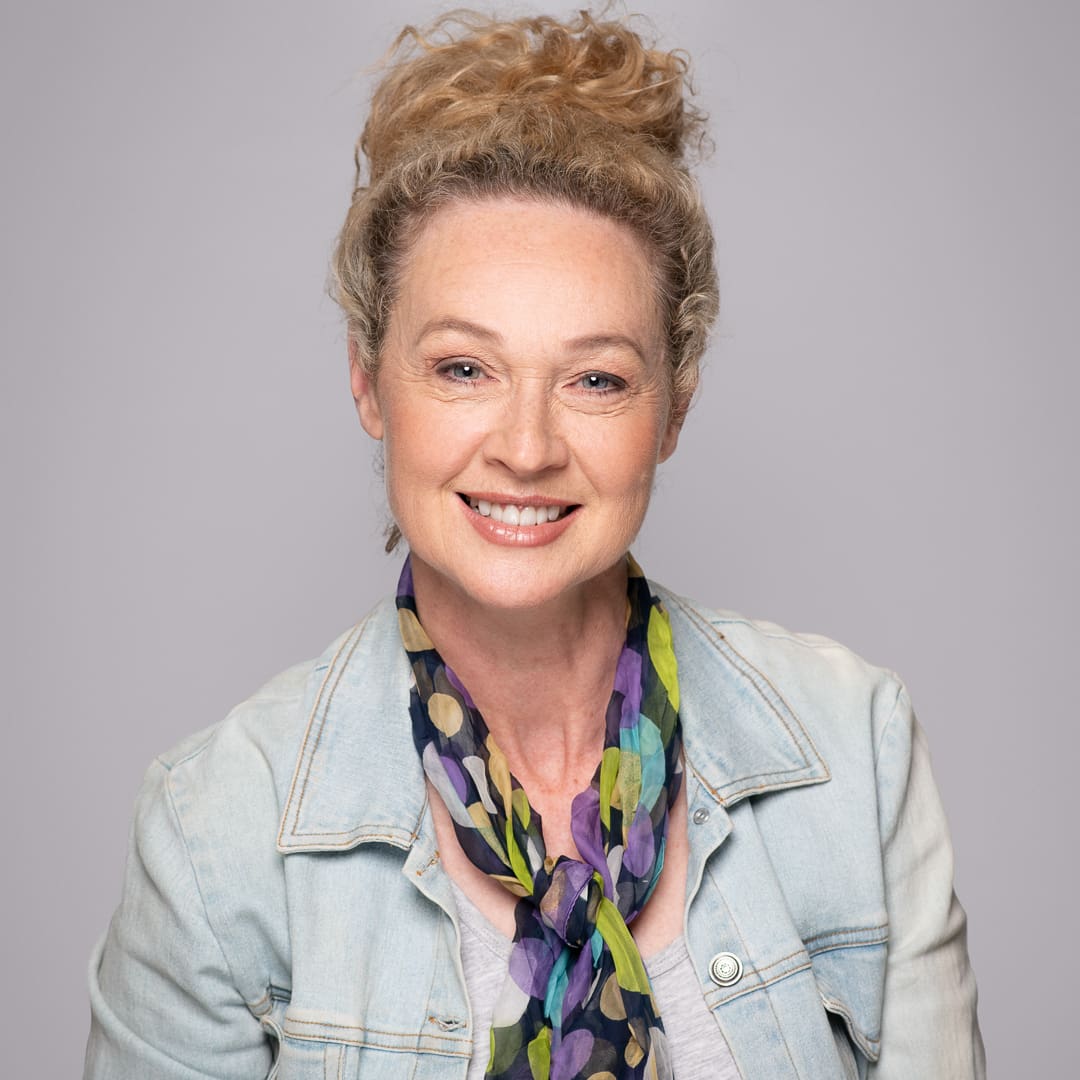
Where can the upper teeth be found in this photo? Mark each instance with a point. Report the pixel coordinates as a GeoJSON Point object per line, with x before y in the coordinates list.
{"type": "Point", "coordinates": [517, 515]}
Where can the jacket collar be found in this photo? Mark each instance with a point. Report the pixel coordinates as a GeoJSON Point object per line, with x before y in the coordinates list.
{"type": "Point", "coordinates": [358, 777]}
{"type": "Point", "coordinates": [740, 736]}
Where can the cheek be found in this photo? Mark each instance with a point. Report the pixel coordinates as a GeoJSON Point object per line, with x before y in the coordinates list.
{"type": "Point", "coordinates": [622, 459]}
{"type": "Point", "coordinates": [425, 444]}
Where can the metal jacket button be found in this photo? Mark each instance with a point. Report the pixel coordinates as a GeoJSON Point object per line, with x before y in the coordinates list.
{"type": "Point", "coordinates": [725, 969]}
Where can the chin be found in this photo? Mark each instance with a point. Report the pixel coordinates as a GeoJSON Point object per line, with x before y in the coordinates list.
{"type": "Point", "coordinates": [512, 588]}
{"type": "Point", "coordinates": [520, 581]}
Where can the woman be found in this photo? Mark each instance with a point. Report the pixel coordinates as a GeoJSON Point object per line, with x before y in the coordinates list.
{"type": "Point", "coordinates": [537, 817]}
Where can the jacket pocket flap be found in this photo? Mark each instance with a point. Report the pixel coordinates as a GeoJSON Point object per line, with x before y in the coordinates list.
{"type": "Point", "coordinates": [435, 1037]}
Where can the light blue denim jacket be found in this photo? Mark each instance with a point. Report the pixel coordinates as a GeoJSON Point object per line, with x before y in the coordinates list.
{"type": "Point", "coordinates": [285, 912]}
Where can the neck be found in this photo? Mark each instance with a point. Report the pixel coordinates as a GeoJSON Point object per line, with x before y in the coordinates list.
{"type": "Point", "coordinates": [541, 677]}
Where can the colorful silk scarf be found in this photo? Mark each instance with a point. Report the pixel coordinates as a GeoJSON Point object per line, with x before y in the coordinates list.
{"type": "Point", "coordinates": [577, 1001]}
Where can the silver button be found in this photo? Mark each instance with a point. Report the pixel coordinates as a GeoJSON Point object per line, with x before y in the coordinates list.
{"type": "Point", "coordinates": [725, 969]}
{"type": "Point", "coordinates": [701, 815]}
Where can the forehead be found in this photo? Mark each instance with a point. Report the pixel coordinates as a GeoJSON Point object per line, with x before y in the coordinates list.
{"type": "Point", "coordinates": [528, 267]}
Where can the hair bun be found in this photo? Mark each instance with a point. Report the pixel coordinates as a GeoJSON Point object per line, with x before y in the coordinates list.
{"type": "Point", "coordinates": [465, 68]}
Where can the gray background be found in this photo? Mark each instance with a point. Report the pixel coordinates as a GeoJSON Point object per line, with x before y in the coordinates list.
{"type": "Point", "coordinates": [884, 451]}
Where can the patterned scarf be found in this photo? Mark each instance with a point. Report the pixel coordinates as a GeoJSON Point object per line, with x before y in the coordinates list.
{"type": "Point", "coordinates": [577, 1001]}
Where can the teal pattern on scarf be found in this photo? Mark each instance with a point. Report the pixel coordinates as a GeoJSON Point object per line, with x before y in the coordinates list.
{"type": "Point", "coordinates": [577, 1004]}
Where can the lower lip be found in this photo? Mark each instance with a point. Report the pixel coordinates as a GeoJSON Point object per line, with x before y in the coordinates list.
{"type": "Point", "coordinates": [498, 532]}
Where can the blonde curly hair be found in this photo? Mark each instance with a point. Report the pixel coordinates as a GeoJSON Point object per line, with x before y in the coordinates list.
{"type": "Point", "coordinates": [581, 112]}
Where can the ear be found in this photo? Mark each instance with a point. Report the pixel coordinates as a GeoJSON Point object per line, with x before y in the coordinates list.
{"type": "Point", "coordinates": [363, 392]}
{"type": "Point", "coordinates": [670, 439]}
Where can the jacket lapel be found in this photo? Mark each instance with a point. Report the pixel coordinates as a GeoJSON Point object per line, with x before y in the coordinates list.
{"type": "Point", "coordinates": [741, 737]}
{"type": "Point", "coordinates": [358, 777]}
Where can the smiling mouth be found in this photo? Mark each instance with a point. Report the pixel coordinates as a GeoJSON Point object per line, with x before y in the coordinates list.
{"type": "Point", "coordinates": [515, 514]}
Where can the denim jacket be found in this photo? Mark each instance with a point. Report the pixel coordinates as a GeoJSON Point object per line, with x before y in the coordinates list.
{"type": "Point", "coordinates": [285, 913]}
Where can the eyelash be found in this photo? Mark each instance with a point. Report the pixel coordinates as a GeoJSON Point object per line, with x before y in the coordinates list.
{"type": "Point", "coordinates": [450, 369]}
{"type": "Point", "coordinates": [614, 384]}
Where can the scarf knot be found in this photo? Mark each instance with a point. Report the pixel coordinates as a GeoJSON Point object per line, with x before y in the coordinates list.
{"type": "Point", "coordinates": [569, 900]}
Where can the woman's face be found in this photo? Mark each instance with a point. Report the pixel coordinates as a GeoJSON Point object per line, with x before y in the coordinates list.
{"type": "Point", "coordinates": [522, 378]}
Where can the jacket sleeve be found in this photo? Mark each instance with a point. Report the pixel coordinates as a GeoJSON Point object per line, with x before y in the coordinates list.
{"type": "Point", "coordinates": [164, 1004]}
{"type": "Point", "coordinates": [929, 1025]}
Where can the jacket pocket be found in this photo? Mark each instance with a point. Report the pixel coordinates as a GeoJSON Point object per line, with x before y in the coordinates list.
{"type": "Point", "coordinates": [854, 1065]}
{"type": "Point", "coordinates": [273, 1030]}
{"type": "Point", "coordinates": [317, 1045]}
{"type": "Point", "coordinates": [850, 979]}
{"type": "Point", "coordinates": [303, 1058]}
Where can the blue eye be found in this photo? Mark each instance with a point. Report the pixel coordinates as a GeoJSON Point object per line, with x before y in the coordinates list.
{"type": "Point", "coordinates": [600, 383]}
{"type": "Point", "coordinates": [461, 370]}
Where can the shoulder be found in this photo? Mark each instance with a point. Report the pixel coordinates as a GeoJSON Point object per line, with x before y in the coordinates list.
{"type": "Point", "coordinates": [831, 689]}
{"type": "Point", "coordinates": [216, 797]}
{"type": "Point", "coordinates": [257, 741]}
{"type": "Point", "coordinates": [206, 823]}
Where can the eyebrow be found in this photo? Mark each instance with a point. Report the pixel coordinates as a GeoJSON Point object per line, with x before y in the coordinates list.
{"type": "Point", "coordinates": [462, 326]}
{"type": "Point", "coordinates": [587, 343]}
{"type": "Point", "coordinates": [594, 342]}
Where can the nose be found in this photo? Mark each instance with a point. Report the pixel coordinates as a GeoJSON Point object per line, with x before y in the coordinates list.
{"type": "Point", "coordinates": [525, 436]}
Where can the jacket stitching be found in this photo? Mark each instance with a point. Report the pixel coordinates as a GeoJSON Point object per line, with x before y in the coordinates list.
{"type": "Point", "coordinates": [198, 884]}
{"type": "Point", "coordinates": [796, 781]}
{"type": "Point", "coordinates": [359, 835]}
{"type": "Point", "coordinates": [168, 766]}
{"type": "Point", "coordinates": [753, 675]}
{"type": "Point", "coordinates": [846, 931]}
{"type": "Point", "coordinates": [900, 688]}
{"type": "Point", "coordinates": [748, 671]}
{"type": "Point", "coordinates": [734, 796]}
{"type": "Point", "coordinates": [354, 635]}
{"type": "Point", "coordinates": [747, 952]}
{"type": "Point", "coordinates": [867, 1043]}
{"type": "Point", "coordinates": [373, 1031]}
{"type": "Point", "coordinates": [408, 1036]}
{"type": "Point", "coordinates": [901, 693]}
{"type": "Point", "coordinates": [272, 993]}
{"type": "Point", "coordinates": [783, 960]}
{"type": "Point", "coordinates": [441, 1051]}
{"type": "Point", "coordinates": [763, 984]}
{"type": "Point", "coordinates": [324, 709]}
{"type": "Point", "coordinates": [876, 944]}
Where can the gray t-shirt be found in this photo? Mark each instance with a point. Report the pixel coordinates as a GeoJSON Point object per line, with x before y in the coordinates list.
{"type": "Point", "coordinates": [698, 1049]}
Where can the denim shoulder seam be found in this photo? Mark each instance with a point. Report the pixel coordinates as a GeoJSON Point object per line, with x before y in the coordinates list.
{"type": "Point", "coordinates": [901, 692]}
{"type": "Point", "coordinates": [198, 884]}
{"type": "Point", "coordinates": [773, 631]}
{"type": "Point", "coordinates": [168, 765]}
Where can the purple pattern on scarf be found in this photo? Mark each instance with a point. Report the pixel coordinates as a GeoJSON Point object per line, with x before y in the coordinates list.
{"type": "Point", "coordinates": [568, 1059]}
{"type": "Point", "coordinates": [579, 981]}
{"type": "Point", "coordinates": [585, 828]}
{"type": "Point", "coordinates": [576, 877]}
{"type": "Point", "coordinates": [640, 846]}
{"type": "Point", "coordinates": [405, 582]}
{"type": "Point", "coordinates": [531, 961]}
{"type": "Point", "coordinates": [457, 776]}
{"type": "Point", "coordinates": [458, 685]}
{"type": "Point", "coordinates": [628, 684]}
